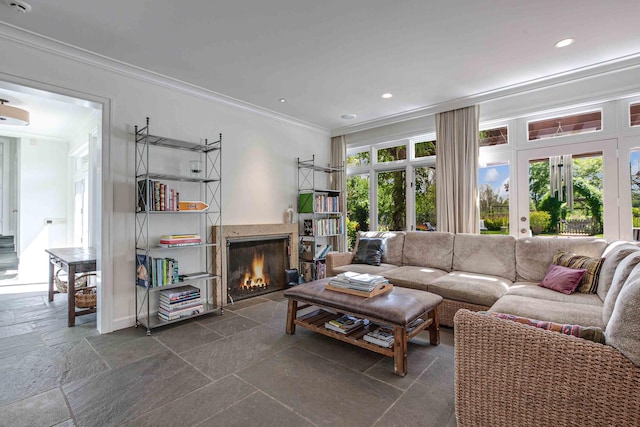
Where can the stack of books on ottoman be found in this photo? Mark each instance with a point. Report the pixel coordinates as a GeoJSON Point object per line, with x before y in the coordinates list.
{"type": "Point", "coordinates": [357, 281]}
{"type": "Point", "coordinates": [179, 302]}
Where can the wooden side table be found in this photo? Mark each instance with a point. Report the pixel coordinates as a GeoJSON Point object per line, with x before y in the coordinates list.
{"type": "Point", "coordinates": [72, 261]}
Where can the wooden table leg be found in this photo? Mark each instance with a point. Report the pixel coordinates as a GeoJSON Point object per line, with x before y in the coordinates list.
{"type": "Point", "coordinates": [400, 350]}
{"type": "Point", "coordinates": [50, 279]}
{"type": "Point", "coordinates": [71, 293]}
{"type": "Point", "coordinates": [292, 311]}
{"type": "Point", "coordinates": [434, 328]}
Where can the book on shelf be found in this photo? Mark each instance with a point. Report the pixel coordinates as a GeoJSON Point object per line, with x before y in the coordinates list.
{"type": "Point", "coordinates": [181, 304]}
{"type": "Point", "coordinates": [322, 250]}
{"type": "Point", "coordinates": [142, 270]}
{"type": "Point", "coordinates": [306, 250]}
{"type": "Point", "coordinates": [178, 299]}
{"type": "Point", "coordinates": [346, 323]}
{"type": "Point", "coordinates": [156, 196]}
{"type": "Point", "coordinates": [179, 291]}
{"type": "Point", "coordinates": [381, 335]}
{"type": "Point", "coordinates": [188, 312]}
{"type": "Point", "coordinates": [305, 203]}
{"type": "Point", "coordinates": [193, 276]}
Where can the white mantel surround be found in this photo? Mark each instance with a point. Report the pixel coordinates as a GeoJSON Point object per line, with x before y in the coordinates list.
{"type": "Point", "coordinates": [251, 230]}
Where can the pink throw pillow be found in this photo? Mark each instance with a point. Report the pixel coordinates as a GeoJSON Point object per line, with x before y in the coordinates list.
{"type": "Point", "coordinates": [562, 279]}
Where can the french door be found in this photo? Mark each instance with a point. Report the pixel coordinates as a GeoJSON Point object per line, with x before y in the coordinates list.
{"type": "Point", "coordinates": [587, 189]}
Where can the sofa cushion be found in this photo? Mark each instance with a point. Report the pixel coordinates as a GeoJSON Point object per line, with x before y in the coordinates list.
{"type": "Point", "coordinates": [592, 266]}
{"type": "Point", "coordinates": [369, 251]}
{"type": "Point", "coordinates": [534, 254]}
{"type": "Point", "coordinates": [428, 249]}
{"type": "Point", "coordinates": [394, 243]}
{"type": "Point", "coordinates": [562, 279]}
{"type": "Point", "coordinates": [413, 277]}
{"type": "Point", "coordinates": [363, 268]}
{"type": "Point", "coordinates": [590, 333]}
{"type": "Point", "coordinates": [552, 311]}
{"type": "Point", "coordinates": [623, 273]}
{"type": "Point", "coordinates": [623, 329]}
{"type": "Point", "coordinates": [532, 290]}
{"type": "Point", "coordinates": [615, 252]}
{"type": "Point", "coordinates": [473, 288]}
{"type": "Point", "coordinates": [492, 255]}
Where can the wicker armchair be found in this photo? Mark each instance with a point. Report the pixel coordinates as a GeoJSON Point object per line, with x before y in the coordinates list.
{"type": "Point", "coordinates": [510, 374]}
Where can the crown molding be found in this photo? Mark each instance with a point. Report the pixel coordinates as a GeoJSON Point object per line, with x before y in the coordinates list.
{"type": "Point", "coordinates": [595, 70]}
{"type": "Point", "coordinates": [56, 47]}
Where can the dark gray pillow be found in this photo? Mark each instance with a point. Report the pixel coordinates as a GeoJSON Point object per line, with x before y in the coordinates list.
{"type": "Point", "coordinates": [369, 251]}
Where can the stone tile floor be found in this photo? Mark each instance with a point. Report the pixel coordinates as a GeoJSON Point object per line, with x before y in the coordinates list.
{"type": "Point", "coordinates": [235, 369]}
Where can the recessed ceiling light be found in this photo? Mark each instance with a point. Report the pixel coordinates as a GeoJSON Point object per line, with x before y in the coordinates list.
{"type": "Point", "coordinates": [282, 100]}
{"type": "Point", "coordinates": [386, 95]}
{"type": "Point", "coordinates": [564, 43]}
{"type": "Point", "coordinates": [348, 116]}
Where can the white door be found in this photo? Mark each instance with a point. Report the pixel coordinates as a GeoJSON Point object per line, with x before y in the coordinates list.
{"type": "Point", "coordinates": [608, 180]}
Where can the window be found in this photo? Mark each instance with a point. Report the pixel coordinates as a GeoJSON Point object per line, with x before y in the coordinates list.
{"type": "Point", "coordinates": [392, 206]}
{"type": "Point", "coordinates": [424, 149]}
{"type": "Point", "coordinates": [425, 198]}
{"type": "Point", "coordinates": [496, 136]}
{"type": "Point", "coordinates": [568, 125]}
{"type": "Point", "coordinates": [634, 115]}
{"type": "Point", "coordinates": [362, 158]}
{"type": "Point", "coordinates": [635, 190]}
{"type": "Point", "coordinates": [493, 189]}
{"type": "Point", "coordinates": [357, 206]}
{"type": "Point", "coordinates": [392, 154]}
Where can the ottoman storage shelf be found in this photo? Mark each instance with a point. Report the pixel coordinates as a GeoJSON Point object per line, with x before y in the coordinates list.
{"type": "Point", "coordinates": [397, 308]}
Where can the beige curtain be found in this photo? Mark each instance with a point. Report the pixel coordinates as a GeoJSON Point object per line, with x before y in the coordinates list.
{"type": "Point", "coordinates": [338, 181]}
{"type": "Point", "coordinates": [457, 170]}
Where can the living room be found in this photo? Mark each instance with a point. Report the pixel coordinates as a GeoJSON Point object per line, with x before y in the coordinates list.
{"type": "Point", "coordinates": [264, 140]}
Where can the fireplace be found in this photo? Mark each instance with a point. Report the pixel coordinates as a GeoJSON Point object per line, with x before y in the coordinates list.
{"type": "Point", "coordinates": [256, 265]}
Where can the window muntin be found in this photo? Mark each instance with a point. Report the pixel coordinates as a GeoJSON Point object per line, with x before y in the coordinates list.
{"type": "Point", "coordinates": [567, 125]}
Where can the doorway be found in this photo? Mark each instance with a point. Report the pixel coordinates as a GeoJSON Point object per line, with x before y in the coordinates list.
{"type": "Point", "coordinates": [568, 190]}
{"type": "Point", "coordinates": [40, 179]}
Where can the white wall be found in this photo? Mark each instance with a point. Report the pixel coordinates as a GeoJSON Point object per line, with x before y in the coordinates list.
{"type": "Point", "coordinates": [259, 152]}
{"type": "Point", "coordinates": [43, 175]}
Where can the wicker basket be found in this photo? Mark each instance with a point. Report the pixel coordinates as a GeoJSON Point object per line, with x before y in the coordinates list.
{"type": "Point", "coordinates": [86, 297]}
{"type": "Point", "coordinates": [61, 285]}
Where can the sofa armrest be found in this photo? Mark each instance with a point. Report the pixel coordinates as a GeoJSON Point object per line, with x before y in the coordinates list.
{"type": "Point", "coordinates": [511, 374]}
{"type": "Point", "coordinates": [336, 259]}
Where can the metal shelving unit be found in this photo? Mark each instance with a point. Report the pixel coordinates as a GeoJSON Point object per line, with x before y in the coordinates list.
{"type": "Point", "coordinates": [209, 186]}
{"type": "Point", "coordinates": [320, 223]}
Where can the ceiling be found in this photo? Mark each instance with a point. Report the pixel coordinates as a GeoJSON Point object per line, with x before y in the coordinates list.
{"type": "Point", "coordinates": [329, 58]}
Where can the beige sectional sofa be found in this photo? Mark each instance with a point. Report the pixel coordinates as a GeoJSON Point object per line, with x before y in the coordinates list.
{"type": "Point", "coordinates": [484, 272]}
{"type": "Point", "coordinates": [514, 374]}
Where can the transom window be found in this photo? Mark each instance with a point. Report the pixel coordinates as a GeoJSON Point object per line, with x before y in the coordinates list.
{"type": "Point", "coordinates": [392, 154]}
{"type": "Point", "coordinates": [496, 136]}
{"type": "Point", "coordinates": [567, 125]}
{"type": "Point", "coordinates": [634, 114]}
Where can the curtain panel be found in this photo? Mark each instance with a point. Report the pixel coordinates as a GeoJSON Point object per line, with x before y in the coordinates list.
{"type": "Point", "coordinates": [338, 181]}
{"type": "Point", "coordinates": [457, 170]}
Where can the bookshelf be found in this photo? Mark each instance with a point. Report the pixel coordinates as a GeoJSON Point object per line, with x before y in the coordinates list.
{"type": "Point", "coordinates": [320, 215]}
{"type": "Point", "coordinates": [177, 213]}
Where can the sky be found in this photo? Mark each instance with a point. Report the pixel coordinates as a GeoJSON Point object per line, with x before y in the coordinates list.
{"type": "Point", "coordinates": [496, 176]}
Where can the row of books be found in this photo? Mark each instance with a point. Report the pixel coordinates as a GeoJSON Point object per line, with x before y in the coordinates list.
{"type": "Point", "coordinates": [157, 196]}
{"type": "Point", "coordinates": [381, 335]}
{"type": "Point", "coordinates": [358, 281]}
{"type": "Point", "coordinates": [314, 270]}
{"type": "Point", "coordinates": [155, 272]}
{"type": "Point", "coordinates": [318, 203]}
{"type": "Point", "coordinates": [178, 303]}
{"type": "Point", "coordinates": [322, 227]}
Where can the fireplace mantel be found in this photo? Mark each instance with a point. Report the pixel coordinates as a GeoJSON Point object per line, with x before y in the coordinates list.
{"type": "Point", "coordinates": [251, 230]}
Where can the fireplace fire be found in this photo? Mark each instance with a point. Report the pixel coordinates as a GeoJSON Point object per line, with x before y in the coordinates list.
{"type": "Point", "coordinates": [256, 266]}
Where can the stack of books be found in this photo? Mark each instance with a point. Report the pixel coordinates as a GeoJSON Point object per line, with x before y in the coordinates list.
{"type": "Point", "coordinates": [179, 302]}
{"type": "Point", "coordinates": [177, 240]}
{"type": "Point", "coordinates": [382, 336]}
{"type": "Point", "coordinates": [345, 324]}
{"type": "Point", "coordinates": [358, 281]}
